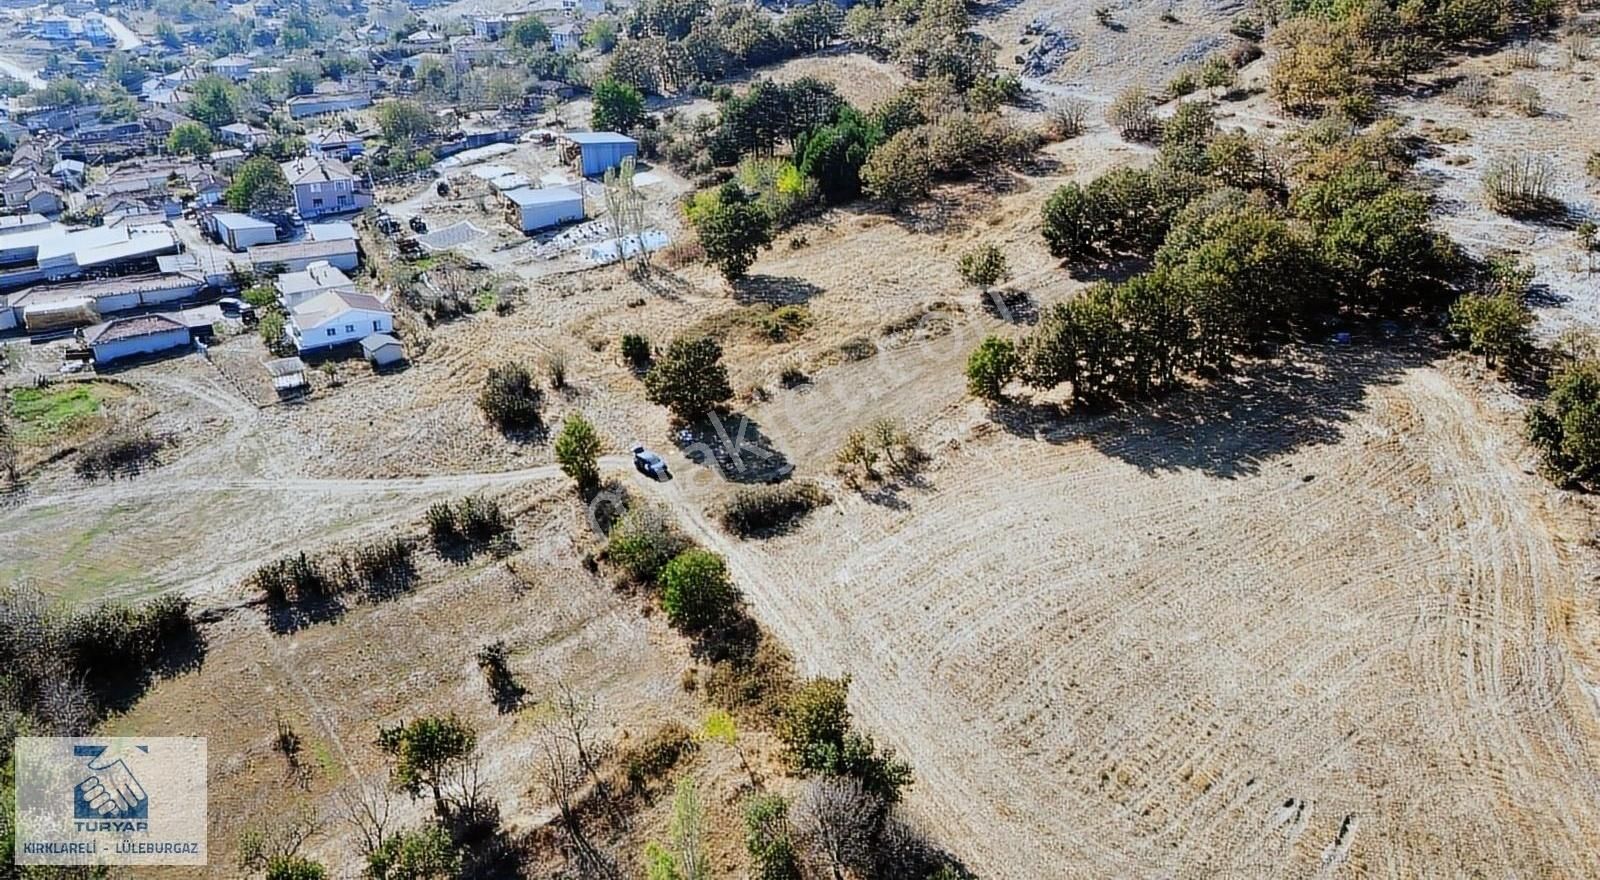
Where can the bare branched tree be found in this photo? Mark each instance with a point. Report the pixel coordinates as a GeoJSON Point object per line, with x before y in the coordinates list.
{"type": "Point", "coordinates": [367, 812]}
{"type": "Point", "coordinates": [560, 773]}
{"type": "Point", "coordinates": [625, 211]}
{"type": "Point", "coordinates": [279, 842]}
{"type": "Point", "coordinates": [837, 823]}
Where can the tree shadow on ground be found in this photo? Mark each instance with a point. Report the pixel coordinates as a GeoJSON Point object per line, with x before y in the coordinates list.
{"type": "Point", "coordinates": [119, 690]}
{"type": "Point", "coordinates": [291, 617]}
{"type": "Point", "coordinates": [733, 445]}
{"type": "Point", "coordinates": [1232, 426]}
{"type": "Point", "coordinates": [666, 284]}
{"type": "Point", "coordinates": [1115, 272]}
{"type": "Point", "coordinates": [1011, 306]}
{"type": "Point", "coordinates": [779, 290]}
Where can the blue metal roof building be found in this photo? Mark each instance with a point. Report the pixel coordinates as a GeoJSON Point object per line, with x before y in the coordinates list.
{"type": "Point", "coordinates": [593, 153]}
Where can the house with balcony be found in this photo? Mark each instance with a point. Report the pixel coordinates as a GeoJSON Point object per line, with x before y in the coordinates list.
{"type": "Point", "coordinates": [337, 318]}
{"type": "Point", "coordinates": [324, 186]}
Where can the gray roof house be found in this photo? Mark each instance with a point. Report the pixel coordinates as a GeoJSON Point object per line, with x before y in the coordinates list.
{"type": "Point", "coordinates": [325, 186]}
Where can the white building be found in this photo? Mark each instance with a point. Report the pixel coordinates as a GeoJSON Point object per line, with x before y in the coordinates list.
{"type": "Point", "coordinates": [295, 288]}
{"type": "Point", "coordinates": [337, 318]}
{"type": "Point", "coordinates": [136, 335]}
{"type": "Point", "coordinates": [533, 209]}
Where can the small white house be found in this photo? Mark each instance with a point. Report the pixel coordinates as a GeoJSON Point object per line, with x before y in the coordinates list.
{"type": "Point", "coordinates": [240, 232]}
{"type": "Point", "coordinates": [383, 350]}
{"type": "Point", "coordinates": [243, 134]}
{"type": "Point", "coordinates": [234, 67]}
{"type": "Point", "coordinates": [337, 318]}
{"type": "Point", "coordinates": [137, 335]}
{"type": "Point", "coordinates": [531, 210]}
{"type": "Point", "coordinates": [295, 288]}
{"type": "Point", "coordinates": [334, 144]}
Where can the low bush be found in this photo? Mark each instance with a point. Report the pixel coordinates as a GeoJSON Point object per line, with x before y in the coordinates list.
{"type": "Point", "coordinates": [636, 351]}
{"type": "Point", "coordinates": [697, 593]}
{"type": "Point", "coordinates": [511, 398]}
{"type": "Point", "coordinates": [1565, 428]}
{"type": "Point", "coordinates": [471, 521]}
{"type": "Point", "coordinates": [643, 541]}
{"type": "Point", "coordinates": [1521, 187]}
{"type": "Point", "coordinates": [1133, 115]}
{"type": "Point", "coordinates": [766, 509]}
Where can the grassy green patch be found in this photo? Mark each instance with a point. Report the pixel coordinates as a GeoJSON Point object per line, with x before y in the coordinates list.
{"type": "Point", "coordinates": [42, 413]}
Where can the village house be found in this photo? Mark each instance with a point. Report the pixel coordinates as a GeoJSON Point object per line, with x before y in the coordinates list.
{"type": "Point", "coordinates": [245, 135]}
{"type": "Point", "coordinates": [324, 186]}
{"type": "Point", "coordinates": [136, 335]}
{"type": "Point", "coordinates": [593, 153]}
{"type": "Point", "coordinates": [294, 256]}
{"type": "Point", "coordinates": [320, 104]}
{"type": "Point", "coordinates": [566, 37]}
{"type": "Point", "coordinates": [530, 210]}
{"type": "Point", "coordinates": [234, 67]}
{"type": "Point", "coordinates": [334, 144]}
{"type": "Point", "coordinates": [337, 318]}
{"type": "Point", "coordinates": [295, 288]}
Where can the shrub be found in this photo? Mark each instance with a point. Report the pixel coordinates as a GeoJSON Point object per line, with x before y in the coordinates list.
{"type": "Point", "coordinates": [984, 267]}
{"type": "Point", "coordinates": [494, 663]}
{"type": "Point", "coordinates": [472, 520]}
{"type": "Point", "coordinates": [1521, 187]}
{"type": "Point", "coordinates": [770, 508]}
{"type": "Point", "coordinates": [636, 351]}
{"type": "Point", "coordinates": [577, 450]}
{"type": "Point", "coordinates": [510, 398]}
{"type": "Point", "coordinates": [643, 541]}
{"type": "Point", "coordinates": [897, 171]}
{"type": "Point", "coordinates": [422, 854]}
{"type": "Point", "coordinates": [1592, 165]}
{"type": "Point", "coordinates": [769, 839]}
{"type": "Point", "coordinates": [295, 868]}
{"type": "Point", "coordinates": [1185, 82]}
{"type": "Point", "coordinates": [1472, 91]}
{"type": "Point", "coordinates": [1065, 117]}
{"type": "Point", "coordinates": [990, 366]}
{"type": "Point", "coordinates": [689, 378]}
{"type": "Point", "coordinates": [1493, 325]}
{"type": "Point", "coordinates": [1133, 115]}
{"type": "Point", "coordinates": [696, 590]}
{"type": "Point", "coordinates": [785, 322]}
{"type": "Point", "coordinates": [1565, 428]}
{"type": "Point", "coordinates": [1526, 99]}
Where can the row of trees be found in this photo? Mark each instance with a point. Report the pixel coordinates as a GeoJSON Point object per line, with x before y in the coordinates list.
{"type": "Point", "coordinates": [1231, 267]}
{"type": "Point", "coordinates": [678, 45]}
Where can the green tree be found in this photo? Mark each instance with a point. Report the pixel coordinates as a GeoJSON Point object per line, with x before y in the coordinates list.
{"type": "Point", "coordinates": [769, 839]}
{"type": "Point", "coordinates": [259, 186]}
{"type": "Point", "coordinates": [601, 35]}
{"type": "Point", "coordinates": [528, 32]}
{"type": "Point", "coordinates": [696, 590]}
{"type": "Point", "coordinates": [990, 366]}
{"type": "Point", "coordinates": [733, 229]}
{"type": "Point", "coordinates": [689, 378]}
{"type": "Point", "coordinates": [984, 267]}
{"type": "Point", "coordinates": [189, 138]}
{"type": "Point", "coordinates": [897, 170]}
{"type": "Point", "coordinates": [404, 121]}
{"type": "Point", "coordinates": [1565, 428]}
{"type": "Point", "coordinates": [617, 106]}
{"type": "Point", "coordinates": [424, 854]}
{"type": "Point", "coordinates": [643, 541]}
{"type": "Point", "coordinates": [215, 101]}
{"type": "Point", "coordinates": [426, 751]}
{"type": "Point", "coordinates": [833, 154]}
{"type": "Point", "coordinates": [1494, 325]}
{"type": "Point", "coordinates": [815, 730]}
{"type": "Point", "coordinates": [295, 868]}
{"type": "Point", "coordinates": [577, 449]}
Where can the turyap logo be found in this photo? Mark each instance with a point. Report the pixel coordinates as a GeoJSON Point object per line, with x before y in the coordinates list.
{"type": "Point", "coordinates": [110, 793]}
{"type": "Point", "coordinates": [106, 800]}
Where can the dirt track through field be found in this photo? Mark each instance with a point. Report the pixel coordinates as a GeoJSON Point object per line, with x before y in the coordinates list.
{"type": "Point", "coordinates": [1309, 641]}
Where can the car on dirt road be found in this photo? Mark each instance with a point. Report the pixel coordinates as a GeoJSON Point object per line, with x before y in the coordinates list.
{"type": "Point", "coordinates": [649, 464]}
{"type": "Point", "coordinates": [419, 225]}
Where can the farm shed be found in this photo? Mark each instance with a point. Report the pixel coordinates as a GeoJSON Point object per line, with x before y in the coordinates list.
{"type": "Point", "coordinates": [383, 350]}
{"type": "Point", "coordinates": [136, 335]}
{"type": "Point", "coordinates": [288, 375]}
{"type": "Point", "coordinates": [295, 256]}
{"type": "Point", "coordinates": [533, 209]}
{"type": "Point", "coordinates": [240, 232]}
{"type": "Point", "coordinates": [592, 153]}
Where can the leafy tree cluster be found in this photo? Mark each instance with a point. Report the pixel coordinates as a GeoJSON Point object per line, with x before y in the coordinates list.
{"type": "Point", "coordinates": [931, 39]}
{"type": "Point", "coordinates": [1337, 53]}
{"type": "Point", "coordinates": [1231, 268]}
{"type": "Point", "coordinates": [259, 187]}
{"type": "Point", "coordinates": [677, 45]}
{"type": "Point", "coordinates": [819, 738]}
{"type": "Point", "coordinates": [511, 398]}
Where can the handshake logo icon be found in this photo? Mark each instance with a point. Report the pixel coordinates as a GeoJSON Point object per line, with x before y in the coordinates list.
{"type": "Point", "coordinates": [110, 791]}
